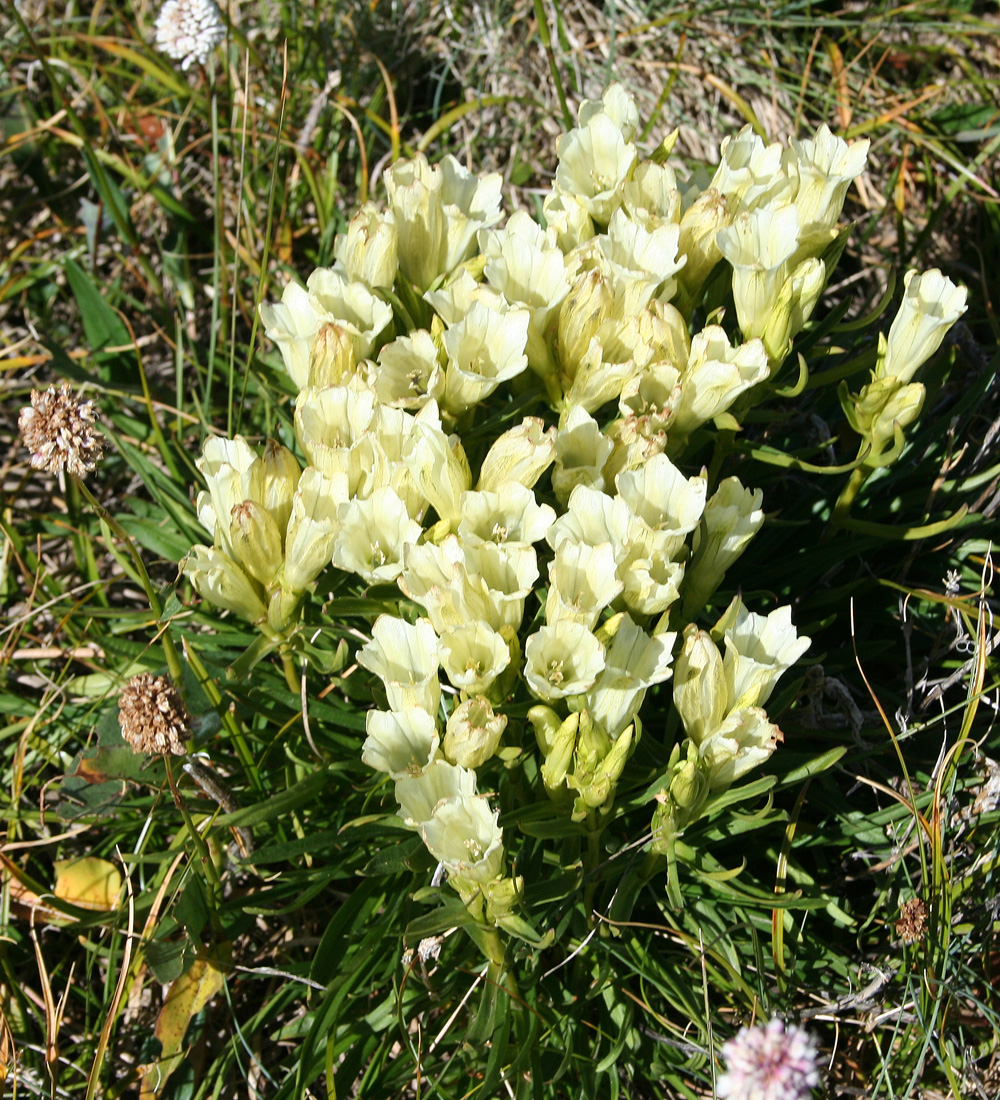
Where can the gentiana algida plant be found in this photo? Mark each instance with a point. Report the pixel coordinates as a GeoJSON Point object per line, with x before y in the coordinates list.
{"type": "Point", "coordinates": [496, 418]}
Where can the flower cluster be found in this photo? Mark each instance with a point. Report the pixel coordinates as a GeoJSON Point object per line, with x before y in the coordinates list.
{"type": "Point", "coordinates": [60, 431]}
{"type": "Point", "coordinates": [773, 1061]}
{"type": "Point", "coordinates": [546, 567]}
{"type": "Point", "coordinates": [189, 30]}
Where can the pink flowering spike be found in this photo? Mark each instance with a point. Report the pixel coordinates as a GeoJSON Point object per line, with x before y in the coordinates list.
{"type": "Point", "coordinates": [770, 1062]}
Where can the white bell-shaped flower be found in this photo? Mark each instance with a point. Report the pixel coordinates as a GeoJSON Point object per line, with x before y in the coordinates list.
{"type": "Point", "coordinates": [368, 251]}
{"type": "Point", "coordinates": [405, 658]}
{"type": "Point", "coordinates": [822, 168]}
{"type": "Point", "coordinates": [582, 582]}
{"type": "Point", "coordinates": [312, 528]}
{"type": "Point", "coordinates": [463, 834]}
{"type": "Point", "coordinates": [715, 375]}
{"type": "Point", "coordinates": [437, 464]}
{"type": "Point", "coordinates": [750, 173]}
{"type": "Point", "coordinates": [593, 518]}
{"type": "Point", "coordinates": [372, 536]}
{"type": "Point", "coordinates": [661, 496]}
{"type": "Point", "coordinates": [218, 579]}
{"type": "Point", "coordinates": [732, 517]}
{"type": "Point", "coordinates": [418, 795]}
{"type": "Point", "coordinates": [634, 661]}
{"type": "Point", "coordinates": [700, 692]}
{"type": "Point", "coordinates": [582, 449]}
{"type": "Point", "coordinates": [484, 349]}
{"type": "Point", "coordinates": [641, 262]}
{"type": "Point", "coordinates": [931, 304]}
{"type": "Point", "coordinates": [523, 262]}
{"type": "Point", "coordinates": [522, 454]}
{"type": "Point", "coordinates": [651, 196]}
{"type": "Point", "coordinates": [510, 514]}
{"type": "Point", "coordinates": [594, 160]}
{"type": "Point", "coordinates": [759, 648]}
{"type": "Point", "coordinates": [472, 655]}
{"type": "Point", "coordinates": [351, 305]}
{"type": "Point", "coordinates": [759, 245]}
{"type": "Point", "coordinates": [400, 742]}
{"type": "Point", "coordinates": [561, 660]}
{"type": "Point", "coordinates": [410, 372]}
{"type": "Point", "coordinates": [567, 217]}
{"type": "Point", "coordinates": [438, 212]}
{"type": "Point", "coordinates": [743, 741]}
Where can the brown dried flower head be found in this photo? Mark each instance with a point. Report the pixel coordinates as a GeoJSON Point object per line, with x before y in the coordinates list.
{"type": "Point", "coordinates": [912, 920]}
{"type": "Point", "coordinates": [153, 717]}
{"type": "Point", "coordinates": [58, 428]}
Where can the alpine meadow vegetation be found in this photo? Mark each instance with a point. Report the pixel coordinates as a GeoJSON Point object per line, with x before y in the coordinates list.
{"type": "Point", "coordinates": [497, 550]}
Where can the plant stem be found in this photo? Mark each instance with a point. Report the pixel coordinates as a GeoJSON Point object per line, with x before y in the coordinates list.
{"type": "Point", "coordinates": [174, 666]}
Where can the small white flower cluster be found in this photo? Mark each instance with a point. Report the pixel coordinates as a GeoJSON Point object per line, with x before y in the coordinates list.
{"type": "Point", "coordinates": [430, 308]}
{"type": "Point", "coordinates": [189, 30]}
{"type": "Point", "coordinates": [773, 1061]}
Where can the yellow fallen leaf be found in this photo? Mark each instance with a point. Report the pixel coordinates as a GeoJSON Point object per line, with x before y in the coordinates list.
{"type": "Point", "coordinates": [90, 882]}
{"type": "Point", "coordinates": [186, 997]}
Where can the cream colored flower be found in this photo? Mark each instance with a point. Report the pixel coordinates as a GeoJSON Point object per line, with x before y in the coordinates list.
{"type": "Point", "coordinates": [438, 211]}
{"type": "Point", "coordinates": [328, 422]}
{"type": "Point", "coordinates": [698, 230]}
{"type": "Point", "coordinates": [593, 518]}
{"type": "Point", "coordinates": [472, 655]}
{"type": "Point", "coordinates": [931, 304]}
{"type": "Point", "coordinates": [401, 742]}
{"type": "Point", "coordinates": [509, 514]}
{"type": "Point", "coordinates": [522, 454]}
{"type": "Point", "coordinates": [750, 173]}
{"type": "Point", "coordinates": [218, 579]}
{"type": "Point", "coordinates": [484, 349]}
{"type": "Point", "coordinates": [700, 692]}
{"type": "Point", "coordinates": [651, 196]}
{"type": "Point", "coordinates": [418, 795]}
{"type": "Point", "coordinates": [744, 740]}
{"type": "Point", "coordinates": [368, 251]}
{"type": "Point", "coordinates": [568, 219]}
{"type": "Point", "coordinates": [662, 497]}
{"type": "Point", "coordinates": [561, 660]}
{"type": "Point", "coordinates": [410, 372]}
{"type": "Point", "coordinates": [652, 578]}
{"type": "Point", "coordinates": [437, 464]}
{"type": "Point", "coordinates": [715, 375]}
{"type": "Point", "coordinates": [822, 168]}
{"type": "Point", "coordinates": [525, 265]}
{"type": "Point", "coordinates": [463, 834]}
{"type": "Point", "coordinates": [595, 159]}
{"type": "Point", "coordinates": [372, 536]}
{"type": "Point", "coordinates": [641, 262]}
{"type": "Point", "coordinates": [759, 245]}
{"type": "Point", "coordinates": [732, 517]}
{"type": "Point", "coordinates": [634, 661]}
{"type": "Point", "coordinates": [582, 583]}
{"type": "Point", "coordinates": [759, 648]}
{"type": "Point", "coordinates": [581, 452]}
{"type": "Point", "coordinates": [473, 733]}
{"type": "Point", "coordinates": [405, 658]}
{"type": "Point", "coordinates": [312, 528]}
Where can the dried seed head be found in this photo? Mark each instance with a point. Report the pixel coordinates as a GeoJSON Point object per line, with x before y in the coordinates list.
{"type": "Point", "coordinates": [912, 920]}
{"type": "Point", "coordinates": [153, 717]}
{"type": "Point", "coordinates": [58, 428]}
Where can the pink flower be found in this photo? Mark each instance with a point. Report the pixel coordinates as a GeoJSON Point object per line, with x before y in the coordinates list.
{"type": "Point", "coordinates": [773, 1062]}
